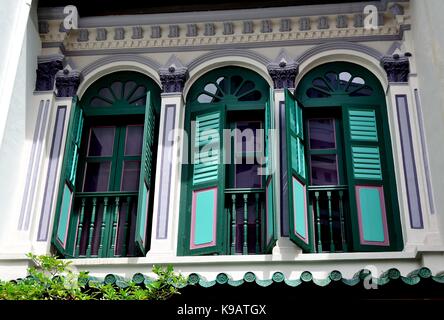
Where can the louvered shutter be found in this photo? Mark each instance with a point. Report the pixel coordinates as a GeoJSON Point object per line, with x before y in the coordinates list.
{"type": "Point", "coordinates": [301, 219]}
{"type": "Point", "coordinates": [64, 218]}
{"type": "Point", "coordinates": [372, 213]}
{"type": "Point", "coordinates": [146, 177]}
{"type": "Point", "coordinates": [270, 202]}
{"type": "Point", "coordinates": [206, 190]}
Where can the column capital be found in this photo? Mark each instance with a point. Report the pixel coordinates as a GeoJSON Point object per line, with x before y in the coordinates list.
{"type": "Point", "coordinates": [173, 76]}
{"type": "Point", "coordinates": [67, 82]}
{"type": "Point", "coordinates": [396, 67]}
{"type": "Point", "coordinates": [283, 70]}
{"type": "Point", "coordinates": [47, 68]}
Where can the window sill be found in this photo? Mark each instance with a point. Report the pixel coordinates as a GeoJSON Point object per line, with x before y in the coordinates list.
{"type": "Point", "coordinates": [408, 254]}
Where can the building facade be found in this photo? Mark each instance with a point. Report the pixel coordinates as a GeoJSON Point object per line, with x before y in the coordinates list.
{"type": "Point", "coordinates": [296, 142]}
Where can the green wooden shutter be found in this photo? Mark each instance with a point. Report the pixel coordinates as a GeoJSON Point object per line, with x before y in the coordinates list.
{"type": "Point", "coordinates": [270, 202]}
{"type": "Point", "coordinates": [146, 176]}
{"type": "Point", "coordinates": [301, 219]}
{"type": "Point", "coordinates": [372, 212]}
{"type": "Point", "coordinates": [205, 206]}
{"type": "Point", "coordinates": [63, 219]}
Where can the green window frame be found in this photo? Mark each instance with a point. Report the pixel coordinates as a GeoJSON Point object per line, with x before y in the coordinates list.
{"type": "Point", "coordinates": [372, 221]}
{"type": "Point", "coordinates": [110, 222]}
{"type": "Point", "coordinates": [207, 202]}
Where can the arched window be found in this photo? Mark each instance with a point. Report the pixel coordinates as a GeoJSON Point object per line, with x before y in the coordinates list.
{"type": "Point", "coordinates": [342, 191]}
{"type": "Point", "coordinates": [108, 169]}
{"type": "Point", "coordinates": [227, 190]}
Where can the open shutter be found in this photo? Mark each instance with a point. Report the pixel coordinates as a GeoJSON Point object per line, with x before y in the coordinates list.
{"type": "Point", "coordinates": [145, 184]}
{"type": "Point", "coordinates": [301, 219]}
{"type": "Point", "coordinates": [206, 184]}
{"type": "Point", "coordinates": [368, 179]}
{"type": "Point", "coordinates": [270, 202]}
{"type": "Point", "coordinates": [65, 198]}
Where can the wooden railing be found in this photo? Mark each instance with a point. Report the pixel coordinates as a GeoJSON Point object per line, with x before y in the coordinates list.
{"type": "Point", "coordinates": [106, 224]}
{"type": "Point", "coordinates": [329, 205]}
{"type": "Point", "coordinates": [245, 213]}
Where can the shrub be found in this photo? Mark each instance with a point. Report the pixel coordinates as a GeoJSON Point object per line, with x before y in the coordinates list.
{"type": "Point", "coordinates": [53, 279]}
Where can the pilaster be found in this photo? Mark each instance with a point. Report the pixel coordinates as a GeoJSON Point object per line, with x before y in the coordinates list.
{"type": "Point", "coordinates": [168, 171]}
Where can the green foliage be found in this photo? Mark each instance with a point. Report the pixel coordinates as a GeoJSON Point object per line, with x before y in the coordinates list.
{"type": "Point", "coordinates": [53, 279]}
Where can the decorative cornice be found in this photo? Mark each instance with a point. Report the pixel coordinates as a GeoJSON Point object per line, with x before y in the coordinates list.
{"type": "Point", "coordinates": [397, 67]}
{"type": "Point", "coordinates": [288, 29]}
{"type": "Point", "coordinates": [173, 76]}
{"type": "Point", "coordinates": [67, 83]}
{"type": "Point", "coordinates": [46, 72]}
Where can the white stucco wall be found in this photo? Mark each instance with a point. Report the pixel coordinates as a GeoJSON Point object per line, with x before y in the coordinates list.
{"type": "Point", "coordinates": [428, 37]}
{"type": "Point", "coordinates": [13, 23]}
{"type": "Point", "coordinates": [18, 132]}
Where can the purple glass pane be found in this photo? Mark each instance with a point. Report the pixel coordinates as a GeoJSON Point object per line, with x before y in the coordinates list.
{"type": "Point", "coordinates": [140, 91]}
{"type": "Point", "coordinates": [314, 93]}
{"type": "Point", "coordinates": [106, 93]}
{"type": "Point", "coordinates": [101, 141]}
{"type": "Point", "coordinates": [324, 170]}
{"type": "Point", "coordinates": [129, 89]}
{"type": "Point", "coordinates": [246, 134]}
{"type": "Point", "coordinates": [133, 140]}
{"type": "Point", "coordinates": [139, 102]}
{"type": "Point", "coordinates": [246, 176]}
{"type": "Point", "coordinates": [96, 176]}
{"type": "Point", "coordinates": [320, 84]}
{"type": "Point", "coordinates": [130, 176]}
{"type": "Point", "coordinates": [116, 87]}
{"type": "Point", "coordinates": [98, 102]}
{"type": "Point", "coordinates": [322, 134]}
{"type": "Point", "coordinates": [252, 96]}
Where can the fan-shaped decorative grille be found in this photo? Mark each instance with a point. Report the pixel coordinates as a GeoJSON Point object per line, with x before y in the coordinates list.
{"type": "Point", "coordinates": [343, 83]}
{"type": "Point", "coordinates": [234, 86]}
{"type": "Point", "coordinates": [120, 93]}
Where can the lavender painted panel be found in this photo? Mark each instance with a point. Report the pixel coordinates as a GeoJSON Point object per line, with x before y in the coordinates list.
{"type": "Point", "coordinates": [52, 174]}
{"type": "Point", "coordinates": [425, 153]}
{"type": "Point", "coordinates": [411, 178]}
{"type": "Point", "coordinates": [285, 227]}
{"type": "Point", "coordinates": [33, 168]}
{"type": "Point", "coordinates": [165, 173]}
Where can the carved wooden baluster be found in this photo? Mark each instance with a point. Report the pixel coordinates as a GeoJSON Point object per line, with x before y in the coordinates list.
{"type": "Point", "coordinates": [114, 229]}
{"type": "Point", "coordinates": [102, 228]}
{"type": "Point", "coordinates": [318, 221]}
{"type": "Point", "coordinates": [256, 196]}
{"type": "Point", "coordinates": [245, 247]}
{"type": "Point", "coordinates": [233, 224]}
{"type": "Point", "coordinates": [125, 229]}
{"type": "Point", "coordinates": [330, 222]}
{"type": "Point", "coordinates": [91, 227]}
{"type": "Point", "coordinates": [80, 228]}
{"type": "Point", "coordinates": [341, 217]}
